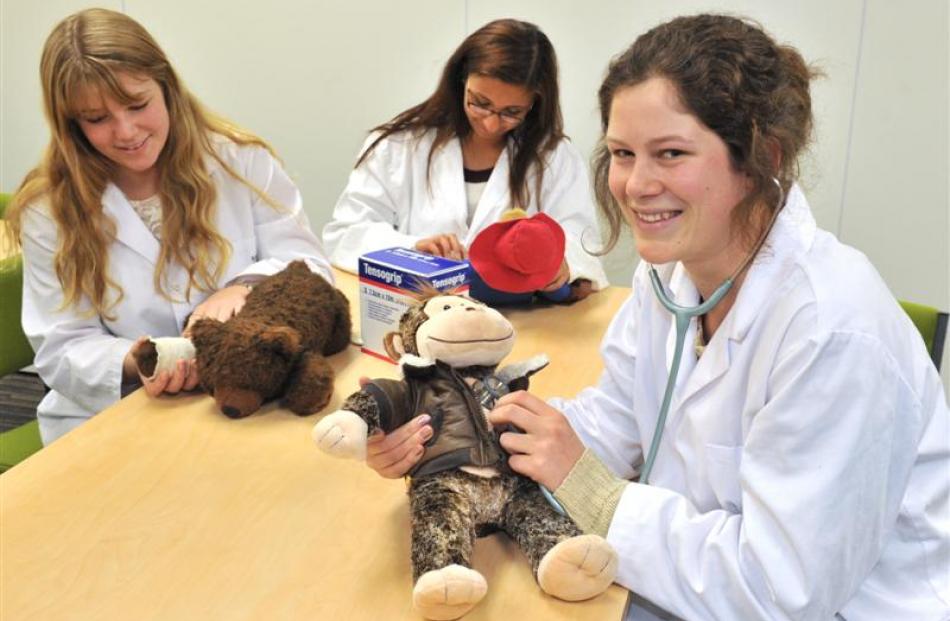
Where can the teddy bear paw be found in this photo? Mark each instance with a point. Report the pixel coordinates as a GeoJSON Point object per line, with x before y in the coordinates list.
{"type": "Point", "coordinates": [448, 593]}
{"type": "Point", "coordinates": [342, 434]}
{"type": "Point", "coordinates": [578, 568]}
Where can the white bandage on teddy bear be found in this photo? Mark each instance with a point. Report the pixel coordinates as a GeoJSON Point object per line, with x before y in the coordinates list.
{"type": "Point", "coordinates": [162, 354]}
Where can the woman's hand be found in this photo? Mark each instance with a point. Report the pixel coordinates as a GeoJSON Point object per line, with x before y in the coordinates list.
{"type": "Point", "coordinates": [221, 305]}
{"type": "Point", "coordinates": [561, 279]}
{"type": "Point", "coordinates": [446, 245]}
{"type": "Point", "coordinates": [547, 449]}
{"type": "Point", "coordinates": [184, 376]}
{"type": "Point", "coordinates": [394, 454]}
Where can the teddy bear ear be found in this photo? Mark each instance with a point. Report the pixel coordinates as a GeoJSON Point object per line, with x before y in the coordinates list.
{"type": "Point", "coordinates": [393, 344]}
{"type": "Point", "coordinates": [204, 331]}
{"type": "Point", "coordinates": [297, 266]}
{"type": "Point", "coordinates": [282, 339]}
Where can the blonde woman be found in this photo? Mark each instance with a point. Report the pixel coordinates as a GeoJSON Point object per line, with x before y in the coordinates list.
{"type": "Point", "coordinates": [145, 209]}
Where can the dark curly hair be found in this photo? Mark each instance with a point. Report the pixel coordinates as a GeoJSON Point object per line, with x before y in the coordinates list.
{"type": "Point", "coordinates": [730, 74]}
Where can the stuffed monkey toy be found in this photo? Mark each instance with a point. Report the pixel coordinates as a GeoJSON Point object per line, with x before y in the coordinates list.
{"type": "Point", "coordinates": [449, 347]}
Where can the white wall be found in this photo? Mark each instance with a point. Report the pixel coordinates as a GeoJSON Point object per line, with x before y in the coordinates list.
{"type": "Point", "coordinates": [23, 133]}
{"type": "Point", "coordinates": [312, 77]}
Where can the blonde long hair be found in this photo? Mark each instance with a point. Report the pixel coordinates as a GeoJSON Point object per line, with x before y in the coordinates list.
{"type": "Point", "coordinates": [87, 50]}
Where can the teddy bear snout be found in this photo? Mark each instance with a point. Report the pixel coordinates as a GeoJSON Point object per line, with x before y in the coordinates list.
{"type": "Point", "coordinates": [236, 402]}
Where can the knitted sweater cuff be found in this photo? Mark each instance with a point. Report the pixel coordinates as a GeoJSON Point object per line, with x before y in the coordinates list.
{"type": "Point", "coordinates": [590, 494]}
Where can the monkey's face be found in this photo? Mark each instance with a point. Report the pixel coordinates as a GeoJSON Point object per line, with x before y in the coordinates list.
{"type": "Point", "coordinates": [462, 332]}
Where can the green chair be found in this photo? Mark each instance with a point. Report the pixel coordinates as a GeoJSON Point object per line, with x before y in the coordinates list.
{"type": "Point", "coordinates": [19, 443]}
{"type": "Point", "coordinates": [932, 325]}
{"type": "Point", "coordinates": [15, 353]}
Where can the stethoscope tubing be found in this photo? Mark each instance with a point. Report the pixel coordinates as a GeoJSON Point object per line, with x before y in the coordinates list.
{"type": "Point", "coordinates": [682, 315]}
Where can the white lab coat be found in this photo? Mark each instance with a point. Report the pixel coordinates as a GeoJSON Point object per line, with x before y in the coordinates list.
{"type": "Point", "coordinates": [390, 201]}
{"type": "Point", "coordinates": [805, 467]}
{"type": "Point", "coordinates": [80, 356]}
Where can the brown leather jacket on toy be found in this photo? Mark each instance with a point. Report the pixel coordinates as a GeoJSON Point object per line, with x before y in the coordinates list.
{"type": "Point", "coordinates": [462, 435]}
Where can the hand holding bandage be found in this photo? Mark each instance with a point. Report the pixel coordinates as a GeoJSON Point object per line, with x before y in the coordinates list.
{"type": "Point", "coordinates": [162, 364]}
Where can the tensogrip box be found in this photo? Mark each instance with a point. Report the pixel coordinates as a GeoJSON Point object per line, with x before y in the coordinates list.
{"type": "Point", "coordinates": [388, 280]}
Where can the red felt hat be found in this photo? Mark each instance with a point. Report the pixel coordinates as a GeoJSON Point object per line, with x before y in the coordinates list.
{"type": "Point", "coordinates": [518, 256]}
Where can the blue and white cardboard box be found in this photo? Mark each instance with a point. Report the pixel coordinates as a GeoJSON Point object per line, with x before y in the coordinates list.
{"type": "Point", "coordinates": [389, 279]}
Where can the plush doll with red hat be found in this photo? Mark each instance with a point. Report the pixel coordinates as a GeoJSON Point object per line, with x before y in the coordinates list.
{"type": "Point", "coordinates": [514, 260]}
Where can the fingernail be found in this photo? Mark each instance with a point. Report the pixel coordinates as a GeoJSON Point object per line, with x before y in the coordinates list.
{"type": "Point", "coordinates": [424, 419]}
{"type": "Point", "coordinates": [426, 433]}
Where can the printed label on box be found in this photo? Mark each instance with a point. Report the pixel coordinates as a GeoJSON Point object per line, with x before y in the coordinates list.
{"type": "Point", "coordinates": [389, 280]}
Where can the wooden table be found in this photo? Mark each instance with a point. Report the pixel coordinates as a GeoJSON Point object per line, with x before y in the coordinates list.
{"type": "Point", "coordinates": [166, 509]}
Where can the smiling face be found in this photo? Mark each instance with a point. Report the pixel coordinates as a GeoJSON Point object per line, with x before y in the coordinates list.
{"type": "Point", "coordinates": [493, 107]}
{"type": "Point", "coordinates": [674, 180]}
{"type": "Point", "coordinates": [131, 135]}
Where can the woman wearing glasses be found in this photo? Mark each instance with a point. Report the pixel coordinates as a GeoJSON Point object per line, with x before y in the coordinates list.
{"type": "Point", "coordinates": [488, 139]}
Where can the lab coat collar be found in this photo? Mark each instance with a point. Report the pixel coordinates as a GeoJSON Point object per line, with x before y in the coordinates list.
{"type": "Point", "coordinates": [791, 236]}
{"type": "Point", "coordinates": [496, 192]}
{"type": "Point", "coordinates": [130, 229]}
{"type": "Point", "coordinates": [446, 177]}
{"type": "Point", "coordinates": [684, 293]}
{"type": "Point", "coordinates": [451, 182]}
{"type": "Point", "coordinates": [224, 148]}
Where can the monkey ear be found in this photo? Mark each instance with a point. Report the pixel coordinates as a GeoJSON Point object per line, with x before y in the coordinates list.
{"type": "Point", "coordinates": [394, 345]}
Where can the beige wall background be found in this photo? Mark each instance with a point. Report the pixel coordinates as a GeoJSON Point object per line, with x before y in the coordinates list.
{"type": "Point", "coordinates": [313, 77]}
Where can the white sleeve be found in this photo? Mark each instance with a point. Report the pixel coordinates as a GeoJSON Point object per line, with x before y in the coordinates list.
{"type": "Point", "coordinates": [367, 214]}
{"type": "Point", "coordinates": [566, 197]}
{"type": "Point", "coordinates": [821, 479]}
{"type": "Point", "coordinates": [282, 235]}
{"type": "Point", "coordinates": [76, 355]}
{"type": "Point", "coordinates": [602, 415]}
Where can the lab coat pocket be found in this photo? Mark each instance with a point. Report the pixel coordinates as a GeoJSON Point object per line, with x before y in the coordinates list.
{"type": "Point", "coordinates": [722, 470]}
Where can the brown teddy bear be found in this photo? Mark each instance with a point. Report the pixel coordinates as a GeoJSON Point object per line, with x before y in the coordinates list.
{"type": "Point", "coordinates": [449, 347]}
{"type": "Point", "coordinates": [274, 347]}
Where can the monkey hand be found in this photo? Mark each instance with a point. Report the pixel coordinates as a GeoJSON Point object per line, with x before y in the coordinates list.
{"type": "Point", "coordinates": [342, 434]}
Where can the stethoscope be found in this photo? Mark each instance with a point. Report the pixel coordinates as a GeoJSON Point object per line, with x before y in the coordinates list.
{"type": "Point", "coordinates": [682, 316]}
